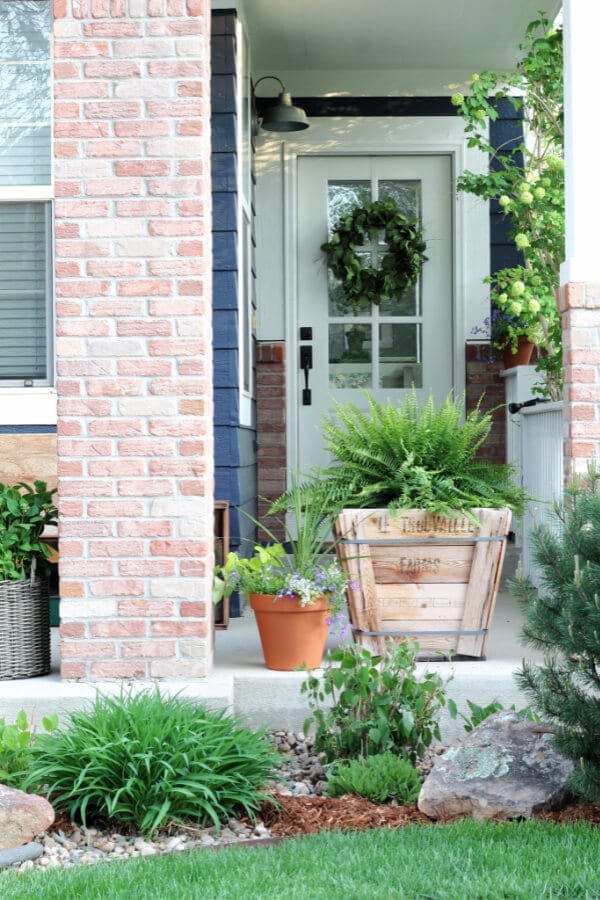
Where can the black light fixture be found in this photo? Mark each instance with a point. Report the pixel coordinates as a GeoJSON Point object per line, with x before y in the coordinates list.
{"type": "Point", "coordinates": [283, 116]}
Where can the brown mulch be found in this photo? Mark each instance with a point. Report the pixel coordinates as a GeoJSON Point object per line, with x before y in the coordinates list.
{"type": "Point", "coordinates": [307, 815]}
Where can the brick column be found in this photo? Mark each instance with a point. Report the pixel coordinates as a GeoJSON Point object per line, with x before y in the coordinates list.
{"type": "Point", "coordinates": [133, 292]}
{"type": "Point", "coordinates": [580, 305]}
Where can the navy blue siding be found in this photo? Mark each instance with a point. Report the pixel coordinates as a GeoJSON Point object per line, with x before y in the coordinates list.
{"type": "Point", "coordinates": [505, 133]}
{"type": "Point", "coordinates": [235, 446]}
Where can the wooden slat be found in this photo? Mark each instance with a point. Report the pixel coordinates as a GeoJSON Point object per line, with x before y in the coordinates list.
{"type": "Point", "coordinates": [429, 563]}
{"type": "Point", "coordinates": [485, 578]}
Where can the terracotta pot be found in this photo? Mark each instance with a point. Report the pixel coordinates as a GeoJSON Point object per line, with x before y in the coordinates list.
{"type": "Point", "coordinates": [522, 355]}
{"type": "Point", "coordinates": [291, 635]}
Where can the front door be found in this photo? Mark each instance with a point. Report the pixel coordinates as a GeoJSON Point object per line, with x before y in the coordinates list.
{"type": "Point", "coordinates": [385, 349]}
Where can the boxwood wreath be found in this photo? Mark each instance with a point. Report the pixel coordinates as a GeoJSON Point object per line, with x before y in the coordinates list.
{"type": "Point", "coordinates": [401, 265]}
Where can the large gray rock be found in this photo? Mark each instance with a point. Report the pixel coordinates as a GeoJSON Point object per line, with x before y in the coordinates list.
{"type": "Point", "coordinates": [22, 816]}
{"type": "Point", "coordinates": [505, 768]}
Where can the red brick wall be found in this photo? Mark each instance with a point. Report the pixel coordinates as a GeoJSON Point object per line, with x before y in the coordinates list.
{"type": "Point", "coordinates": [270, 426]}
{"type": "Point", "coordinates": [484, 381]}
{"type": "Point", "coordinates": [133, 297]}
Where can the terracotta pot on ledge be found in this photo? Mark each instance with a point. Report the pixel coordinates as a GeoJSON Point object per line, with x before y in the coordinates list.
{"type": "Point", "coordinates": [291, 635]}
{"type": "Point", "coordinates": [522, 355]}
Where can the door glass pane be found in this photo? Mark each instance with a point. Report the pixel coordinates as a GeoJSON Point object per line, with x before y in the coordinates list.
{"type": "Point", "coordinates": [379, 345]}
{"type": "Point", "coordinates": [400, 356]}
{"type": "Point", "coordinates": [350, 356]}
{"type": "Point", "coordinates": [405, 193]}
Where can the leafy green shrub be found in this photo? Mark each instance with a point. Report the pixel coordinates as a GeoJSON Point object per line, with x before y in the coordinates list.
{"type": "Point", "coordinates": [384, 776]}
{"type": "Point", "coordinates": [24, 513]}
{"type": "Point", "coordinates": [562, 619]}
{"type": "Point", "coordinates": [148, 760]}
{"type": "Point", "coordinates": [411, 456]}
{"type": "Point", "coordinates": [377, 703]}
{"type": "Point", "coordinates": [16, 742]}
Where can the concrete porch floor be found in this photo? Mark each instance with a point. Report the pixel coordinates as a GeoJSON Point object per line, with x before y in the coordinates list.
{"type": "Point", "coordinates": [240, 681]}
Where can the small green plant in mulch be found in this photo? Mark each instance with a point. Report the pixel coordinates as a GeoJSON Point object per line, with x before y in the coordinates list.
{"type": "Point", "coordinates": [381, 777]}
{"type": "Point", "coordinates": [147, 760]}
{"type": "Point", "coordinates": [16, 741]}
{"type": "Point", "coordinates": [363, 704]}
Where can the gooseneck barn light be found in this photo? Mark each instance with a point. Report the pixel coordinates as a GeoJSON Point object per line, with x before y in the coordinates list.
{"type": "Point", "coordinates": [283, 116]}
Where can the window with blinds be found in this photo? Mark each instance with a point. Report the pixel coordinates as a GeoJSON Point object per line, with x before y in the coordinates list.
{"type": "Point", "coordinates": [25, 176]}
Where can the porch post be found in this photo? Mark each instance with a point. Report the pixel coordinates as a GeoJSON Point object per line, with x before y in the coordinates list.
{"type": "Point", "coordinates": [133, 325]}
{"type": "Point", "coordinates": [579, 294]}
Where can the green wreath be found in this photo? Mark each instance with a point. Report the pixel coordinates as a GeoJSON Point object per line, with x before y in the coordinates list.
{"type": "Point", "coordinates": [401, 265]}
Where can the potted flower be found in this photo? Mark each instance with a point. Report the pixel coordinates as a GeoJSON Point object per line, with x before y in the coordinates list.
{"type": "Point", "coordinates": [511, 333]}
{"type": "Point", "coordinates": [25, 511]}
{"type": "Point", "coordinates": [297, 591]}
{"type": "Point", "coordinates": [422, 531]}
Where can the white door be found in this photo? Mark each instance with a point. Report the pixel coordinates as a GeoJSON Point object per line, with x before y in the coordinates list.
{"type": "Point", "coordinates": [406, 341]}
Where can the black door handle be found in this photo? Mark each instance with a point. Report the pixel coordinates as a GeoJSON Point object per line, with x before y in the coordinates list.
{"type": "Point", "coordinates": [306, 362]}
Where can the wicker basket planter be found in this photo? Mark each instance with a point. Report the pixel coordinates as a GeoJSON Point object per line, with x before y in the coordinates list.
{"type": "Point", "coordinates": [24, 629]}
{"type": "Point", "coordinates": [423, 576]}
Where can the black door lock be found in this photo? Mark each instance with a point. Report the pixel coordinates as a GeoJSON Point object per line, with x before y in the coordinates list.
{"type": "Point", "coordinates": [306, 362]}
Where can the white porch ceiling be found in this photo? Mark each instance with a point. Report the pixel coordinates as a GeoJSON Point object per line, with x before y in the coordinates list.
{"type": "Point", "coordinates": [388, 34]}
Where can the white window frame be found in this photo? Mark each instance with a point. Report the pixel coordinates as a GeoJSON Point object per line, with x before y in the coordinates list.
{"type": "Point", "coordinates": [33, 401]}
{"type": "Point", "coordinates": [246, 306]}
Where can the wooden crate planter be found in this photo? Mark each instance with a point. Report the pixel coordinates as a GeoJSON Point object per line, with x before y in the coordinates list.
{"type": "Point", "coordinates": [428, 577]}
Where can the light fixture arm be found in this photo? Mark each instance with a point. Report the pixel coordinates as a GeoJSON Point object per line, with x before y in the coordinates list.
{"type": "Point", "coordinates": [274, 77]}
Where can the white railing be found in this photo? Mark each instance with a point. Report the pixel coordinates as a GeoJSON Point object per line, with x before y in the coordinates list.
{"type": "Point", "coordinates": [542, 468]}
{"type": "Point", "coordinates": [519, 383]}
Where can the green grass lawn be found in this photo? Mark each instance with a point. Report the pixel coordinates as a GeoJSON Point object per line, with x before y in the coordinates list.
{"type": "Point", "coordinates": [464, 860]}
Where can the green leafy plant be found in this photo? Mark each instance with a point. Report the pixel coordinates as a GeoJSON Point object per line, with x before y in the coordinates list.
{"type": "Point", "coordinates": [411, 456]}
{"type": "Point", "coordinates": [562, 619]}
{"type": "Point", "coordinates": [303, 569]}
{"type": "Point", "coordinates": [16, 741]}
{"type": "Point", "coordinates": [478, 714]}
{"type": "Point", "coordinates": [526, 177]}
{"type": "Point", "coordinates": [25, 511]}
{"type": "Point", "coordinates": [381, 777]}
{"type": "Point", "coordinates": [400, 266]}
{"type": "Point", "coordinates": [364, 704]}
{"type": "Point", "coordinates": [148, 760]}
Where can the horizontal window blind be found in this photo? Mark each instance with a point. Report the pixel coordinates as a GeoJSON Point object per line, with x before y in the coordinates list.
{"type": "Point", "coordinates": [24, 275]}
{"type": "Point", "coordinates": [25, 109]}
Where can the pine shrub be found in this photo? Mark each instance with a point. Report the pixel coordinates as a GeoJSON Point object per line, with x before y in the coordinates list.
{"type": "Point", "coordinates": [563, 620]}
{"type": "Point", "coordinates": [147, 760]}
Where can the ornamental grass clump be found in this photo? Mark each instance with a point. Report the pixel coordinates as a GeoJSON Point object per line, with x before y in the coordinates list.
{"type": "Point", "coordinates": [147, 760]}
{"type": "Point", "coordinates": [412, 456]}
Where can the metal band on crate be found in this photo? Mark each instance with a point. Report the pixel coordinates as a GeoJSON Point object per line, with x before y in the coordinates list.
{"type": "Point", "coordinates": [391, 542]}
{"type": "Point", "coordinates": [401, 633]}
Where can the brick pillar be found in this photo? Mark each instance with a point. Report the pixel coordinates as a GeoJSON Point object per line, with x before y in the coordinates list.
{"type": "Point", "coordinates": [270, 429]}
{"type": "Point", "coordinates": [580, 305]}
{"type": "Point", "coordinates": [133, 291]}
{"type": "Point", "coordinates": [484, 382]}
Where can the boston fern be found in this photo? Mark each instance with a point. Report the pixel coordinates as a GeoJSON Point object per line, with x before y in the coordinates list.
{"type": "Point", "coordinates": [412, 456]}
